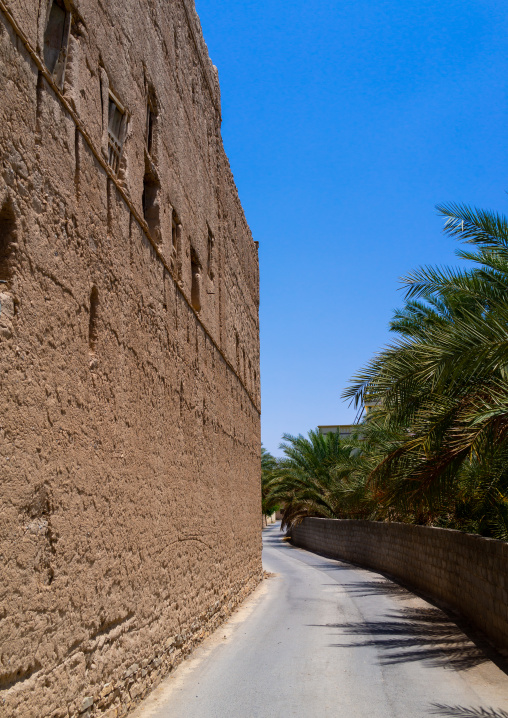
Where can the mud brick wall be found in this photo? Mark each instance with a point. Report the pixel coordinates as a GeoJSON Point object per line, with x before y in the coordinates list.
{"type": "Point", "coordinates": [466, 572]}
{"type": "Point", "coordinates": [129, 357]}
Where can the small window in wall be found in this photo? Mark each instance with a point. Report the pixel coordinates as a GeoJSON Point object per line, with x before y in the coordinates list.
{"type": "Point", "coordinates": [150, 125]}
{"type": "Point", "coordinates": [211, 245]}
{"type": "Point", "coordinates": [116, 131]}
{"type": "Point", "coordinates": [7, 239]}
{"type": "Point", "coordinates": [174, 230]}
{"type": "Point", "coordinates": [151, 206]}
{"type": "Point", "coordinates": [196, 281]}
{"type": "Point", "coordinates": [93, 331]}
{"type": "Point", "coordinates": [56, 38]}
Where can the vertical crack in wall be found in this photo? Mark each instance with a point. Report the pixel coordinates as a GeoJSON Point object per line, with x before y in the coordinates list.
{"type": "Point", "coordinates": [77, 161]}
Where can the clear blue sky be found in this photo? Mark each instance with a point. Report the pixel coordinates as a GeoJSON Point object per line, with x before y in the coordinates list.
{"type": "Point", "coordinates": [345, 123]}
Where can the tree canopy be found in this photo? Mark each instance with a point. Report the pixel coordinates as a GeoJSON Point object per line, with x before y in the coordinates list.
{"type": "Point", "coordinates": [434, 450]}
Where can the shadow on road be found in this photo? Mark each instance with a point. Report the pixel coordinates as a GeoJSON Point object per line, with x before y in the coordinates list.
{"type": "Point", "coordinates": [363, 589]}
{"type": "Point", "coordinates": [420, 634]}
{"type": "Point", "coordinates": [338, 566]}
{"type": "Point", "coordinates": [273, 539]}
{"type": "Point", "coordinates": [462, 712]}
{"type": "Point", "coordinates": [385, 587]}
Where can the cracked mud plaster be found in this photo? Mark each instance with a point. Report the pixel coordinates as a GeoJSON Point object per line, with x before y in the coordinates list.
{"type": "Point", "coordinates": [129, 425]}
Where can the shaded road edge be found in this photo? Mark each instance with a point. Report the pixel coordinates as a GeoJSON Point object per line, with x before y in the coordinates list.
{"type": "Point", "coordinates": [162, 693]}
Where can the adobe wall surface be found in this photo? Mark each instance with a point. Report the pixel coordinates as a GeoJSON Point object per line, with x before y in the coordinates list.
{"type": "Point", "coordinates": [468, 573]}
{"type": "Point", "coordinates": [129, 427]}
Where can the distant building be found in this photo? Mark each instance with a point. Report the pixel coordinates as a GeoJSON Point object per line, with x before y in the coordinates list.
{"type": "Point", "coordinates": [346, 430]}
{"type": "Point", "coordinates": [369, 405]}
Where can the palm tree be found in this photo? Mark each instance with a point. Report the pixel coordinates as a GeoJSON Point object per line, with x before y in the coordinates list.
{"type": "Point", "coordinates": [442, 384]}
{"type": "Point", "coordinates": [268, 466]}
{"type": "Point", "coordinates": [305, 482]}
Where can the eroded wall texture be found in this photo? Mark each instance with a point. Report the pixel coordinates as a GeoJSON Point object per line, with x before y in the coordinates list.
{"type": "Point", "coordinates": [129, 355]}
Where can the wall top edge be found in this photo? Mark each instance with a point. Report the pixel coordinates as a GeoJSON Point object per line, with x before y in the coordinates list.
{"type": "Point", "coordinates": [407, 527]}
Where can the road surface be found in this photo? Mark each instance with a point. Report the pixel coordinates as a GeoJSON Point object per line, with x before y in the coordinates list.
{"type": "Point", "coordinates": [324, 639]}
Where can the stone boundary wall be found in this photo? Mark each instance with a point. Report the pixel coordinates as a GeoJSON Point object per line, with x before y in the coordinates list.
{"type": "Point", "coordinates": [466, 572]}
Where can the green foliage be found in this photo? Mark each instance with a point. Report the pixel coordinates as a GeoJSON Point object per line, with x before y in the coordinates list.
{"type": "Point", "coordinates": [442, 386]}
{"type": "Point", "coordinates": [435, 449]}
{"type": "Point", "coordinates": [268, 466]}
{"type": "Point", "coordinates": [305, 482]}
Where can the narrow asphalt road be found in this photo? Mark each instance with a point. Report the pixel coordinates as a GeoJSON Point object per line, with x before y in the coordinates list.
{"type": "Point", "coordinates": [325, 639]}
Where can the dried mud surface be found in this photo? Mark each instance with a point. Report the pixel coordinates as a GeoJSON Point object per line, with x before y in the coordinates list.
{"type": "Point", "coordinates": [129, 362]}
